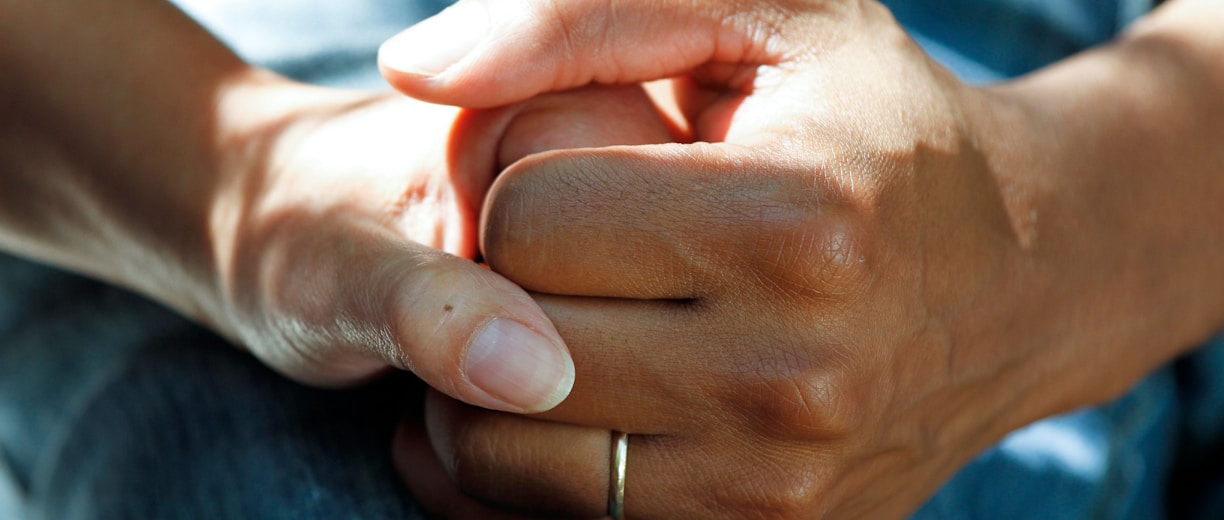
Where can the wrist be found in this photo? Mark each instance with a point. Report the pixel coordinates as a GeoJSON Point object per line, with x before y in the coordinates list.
{"type": "Point", "coordinates": [1111, 181]}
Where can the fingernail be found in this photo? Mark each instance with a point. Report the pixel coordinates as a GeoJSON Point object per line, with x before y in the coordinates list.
{"type": "Point", "coordinates": [432, 46]}
{"type": "Point", "coordinates": [518, 366]}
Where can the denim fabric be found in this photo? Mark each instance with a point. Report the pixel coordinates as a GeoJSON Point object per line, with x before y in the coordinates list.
{"type": "Point", "coordinates": [324, 42]}
{"type": "Point", "coordinates": [1011, 37]}
{"type": "Point", "coordinates": [112, 407]}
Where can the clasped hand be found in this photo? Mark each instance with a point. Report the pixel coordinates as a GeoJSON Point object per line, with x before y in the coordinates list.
{"type": "Point", "coordinates": [813, 308]}
{"type": "Point", "coordinates": [845, 275]}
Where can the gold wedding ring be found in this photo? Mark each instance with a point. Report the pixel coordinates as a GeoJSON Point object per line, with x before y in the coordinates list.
{"type": "Point", "coordinates": [616, 481]}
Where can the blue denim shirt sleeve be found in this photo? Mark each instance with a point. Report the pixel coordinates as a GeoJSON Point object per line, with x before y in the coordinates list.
{"type": "Point", "coordinates": [986, 40]}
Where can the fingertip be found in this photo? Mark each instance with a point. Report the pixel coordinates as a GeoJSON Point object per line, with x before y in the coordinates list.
{"type": "Point", "coordinates": [435, 44]}
{"type": "Point", "coordinates": [404, 82]}
{"type": "Point", "coordinates": [519, 366]}
{"type": "Point", "coordinates": [460, 86]}
{"type": "Point", "coordinates": [482, 54]}
{"type": "Point", "coordinates": [421, 60]}
{"type": "Point", "coordinates": [446, 59]}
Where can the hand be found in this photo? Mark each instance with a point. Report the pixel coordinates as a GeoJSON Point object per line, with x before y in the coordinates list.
{"type": "Point", "coordinates": [331, 233]}
{"type": "Point", "coordinates": [873, 273]}
{"type": "Point", "coordinates": [349, 251]}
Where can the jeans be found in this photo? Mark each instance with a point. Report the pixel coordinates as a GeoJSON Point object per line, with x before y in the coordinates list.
{"type": "Point", "coordinates": [113, 407]}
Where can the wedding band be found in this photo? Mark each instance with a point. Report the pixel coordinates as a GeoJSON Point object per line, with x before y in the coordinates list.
{"type": "Point", "coordinates": [616, 481]}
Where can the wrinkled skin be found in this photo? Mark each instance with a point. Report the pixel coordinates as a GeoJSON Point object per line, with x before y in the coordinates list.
{"type": "Point", "coordinates": [348, 251]}
{"type": "Point", "coordinates": [330, 232]}
{"type": "Point", "coordinates": [861, 275]}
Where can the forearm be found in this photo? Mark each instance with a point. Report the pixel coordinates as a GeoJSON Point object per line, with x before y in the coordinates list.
{"type": "Point", "coordinates": [115, 120]}
{"type": "Point", "coordinates": [1113, 174]}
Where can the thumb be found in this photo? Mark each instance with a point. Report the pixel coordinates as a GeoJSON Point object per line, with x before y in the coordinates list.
{"type": "Point", "coordinates": [343, 300]}
{"type": "Point", "coordinates": [472, 334]}
{"type": "Point", "coordinates": [481, 53]}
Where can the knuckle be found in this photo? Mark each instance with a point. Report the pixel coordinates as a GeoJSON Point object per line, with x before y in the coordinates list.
{"type": "Point", "coordinates": [467, 462]}
{"type": "Point", "coordinates": [570, 31]}
{"type": "Point", "coordinates": [523, 213]}
{"type": "Point", "coordinates": [469, 478]}
{"type": "Point", "coordinates": [807, 244]}
{"type": "Point", "coordinates": [321, 329]}
{"type": "Point", "coordinates": [783, 491]}
{"type": "Point", "coordinates": [820, 405]}
{"type": "Point", "coordinates": [825, 259]}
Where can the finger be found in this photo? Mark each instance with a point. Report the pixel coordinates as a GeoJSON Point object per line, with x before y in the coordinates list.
{"type": "Point", "coordinates": [365, 297]}
{"type": "Point", "coordinates": [416, 463]}
{"type": "Point", "coordinates": [536, 466]}
{"type": "Point", "coordinates": [541, 467]}
{"type": "Point", "coordinates": [480, 53]}
{"type": "Point", "coordinates": [462, 328]}
{"type": "Point", "coordinates": [635, 370]}
{"type": "Point", "coordinates": [471, 333]}
{"type": "Point", "coordinates": [667, 221]}
{"type": "Point", "coordinates": [665, 368]}
{"type": "Point", "coordinates": [518, 483]}
{"type": "Point", "coordinates": [589, 117]}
